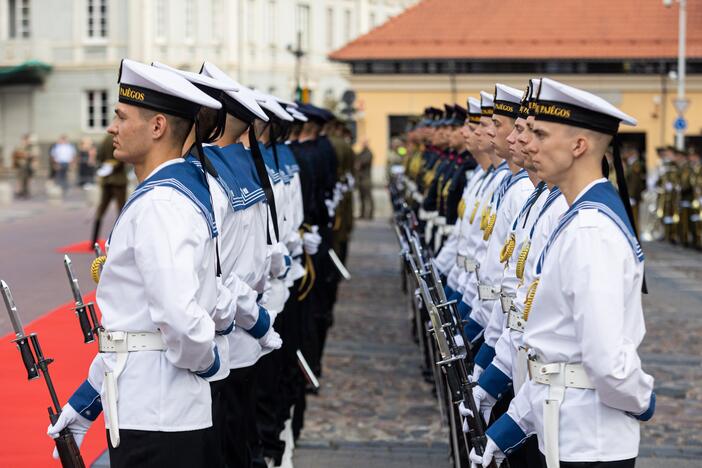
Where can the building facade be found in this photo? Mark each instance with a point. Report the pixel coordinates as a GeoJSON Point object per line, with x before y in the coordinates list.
{"type": "Point", "coordinates": [59, 58]}
{"type": "Point", "coordinates": [402, 67]}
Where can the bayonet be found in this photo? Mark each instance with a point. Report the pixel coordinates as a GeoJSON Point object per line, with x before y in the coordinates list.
{"type": "Point", "coordinates": [87, 318]}
{"type": "Point", "coordinates": [75, 287]}
{"type": "Point", "coordinates": [21, 340]}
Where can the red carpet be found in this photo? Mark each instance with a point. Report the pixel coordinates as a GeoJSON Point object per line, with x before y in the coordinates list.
{"type": "Point", "coordinates": [23, 403]}
{"type": "Point", "coordinates": [85, 247]}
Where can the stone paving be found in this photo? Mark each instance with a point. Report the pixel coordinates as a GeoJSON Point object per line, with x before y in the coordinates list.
{"type": "Point", "coordinates": [672, 350]}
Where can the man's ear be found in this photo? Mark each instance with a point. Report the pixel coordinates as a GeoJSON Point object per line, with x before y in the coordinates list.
{"type": "Point", "coordinates": [158, 126]}
{"type": "Point", "coordinates": [580, 146]}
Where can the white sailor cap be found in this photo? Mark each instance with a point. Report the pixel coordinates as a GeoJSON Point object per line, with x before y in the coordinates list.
{"type": "Point", "coordinates": [285, 103]}
{"type": "Point", "coordinates": [487, 104]}
{"type": "Point", "coordinates": [534, 87]}
{"type": "Point", "coordinates": [206, 84]}
{"type": "Point", "coordinates": [160, 90]}
{"type": "Point", "coordinates": [297, 115]}
{"type": "Point", "coordinates": [507, 100]}
{"type": "Point", "coordinates": [558, 102]}
{"type": "Point", "coordinates": [238, 99]}
{"type": "Point", "coordinates": [474, 110]}
{"type": "Point", "coordinates": [270, 103]}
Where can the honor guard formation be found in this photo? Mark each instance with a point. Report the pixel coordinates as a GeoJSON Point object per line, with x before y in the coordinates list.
{"type": "Point", "coordinates": [219, 280]}
{"type": "Point", "coordinates": [526, 276]}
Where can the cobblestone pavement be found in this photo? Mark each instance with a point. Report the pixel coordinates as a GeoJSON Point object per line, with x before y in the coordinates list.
{"type": "Point", "coordinates": [375, 410]}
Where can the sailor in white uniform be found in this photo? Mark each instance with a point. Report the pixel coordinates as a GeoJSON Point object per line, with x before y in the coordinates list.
{"type": "Point", "coordinates": [509, 200]}
{"type": "Point", "coordinates": [535, 223]}
{"type": "Point", "coordinates": [450, 259]}
{"type": "Point", "coordinates": [232, 211]}
{"type": "Point", "coordinates": [248, 256]}
{"type": "Point", "coordinates": [476, 245]}
{"type": "Point", "coordinates": [158, 291]}
{"type": "Point", "coordinates": [587, 391]}
{"type": "Point", "coordinates": [463, 262]}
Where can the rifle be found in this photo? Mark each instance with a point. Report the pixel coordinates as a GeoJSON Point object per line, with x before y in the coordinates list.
{"type": "Point", "coordinates": [87, 318]}
{"type": "Point", "coordinates": [68, 451]}
{"type": "Point", "coordinates": [98, 250]}
{"type": "Point", "coordinates": [453, 363]}
{"type": "Point", "coordinates": [306, 370]}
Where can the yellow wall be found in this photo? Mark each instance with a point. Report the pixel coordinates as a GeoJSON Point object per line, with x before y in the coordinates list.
{"type": "Point", "coordinates": [640, 96]}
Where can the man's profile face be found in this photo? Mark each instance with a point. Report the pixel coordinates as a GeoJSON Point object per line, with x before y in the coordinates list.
{"type": "Point", "coordinates": [550, 149]}
{"type": "Point", "coordinates": [130, 132]}
{"type": "Point", "coordinates": [502, 128]}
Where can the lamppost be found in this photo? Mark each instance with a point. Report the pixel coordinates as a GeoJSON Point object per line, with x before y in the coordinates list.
{"type": "Point", "coordinates": [298, 53]}
{"type": "Point", "coordinates": [680, 102]}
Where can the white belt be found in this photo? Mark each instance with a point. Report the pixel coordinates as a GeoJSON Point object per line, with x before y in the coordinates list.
{"type": "Point", "coordinates": [487, 292]}
{"type": "Point", "coordinates": [516, 320]}
{"type": "Point", "coordinates": [468, 264]}
{"type": "Point", "coordinates": [558, 376]}
{"type": "Point", "coordinates": [574, 375]}
{"type": "Point", "coordinates": [122, 343]}
{"type": "Point", "coordinates": [440, 221]}
{"type": "Point", "coordinates": [506, 302]}
{"type": "Point", "coordinates": [418, 197]}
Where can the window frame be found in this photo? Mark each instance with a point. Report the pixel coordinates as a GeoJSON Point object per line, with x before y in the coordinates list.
{"type": "Point", "coordinates": [100, 99]}
{"type": "Point", "coordinates": [96, 16]}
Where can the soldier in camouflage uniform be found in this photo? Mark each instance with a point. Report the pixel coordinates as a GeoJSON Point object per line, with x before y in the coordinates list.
{"type": "Point", "coordinates": [635, 181]}
{"type": "Point", "coordinates": [686, 177]}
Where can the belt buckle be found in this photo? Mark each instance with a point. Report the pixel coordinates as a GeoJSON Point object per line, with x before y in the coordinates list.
{"type": "Point", "coordinates": [117, 341]}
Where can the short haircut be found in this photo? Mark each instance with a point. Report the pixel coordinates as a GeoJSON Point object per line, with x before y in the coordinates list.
{"type": "Point", "coordinates": [179, 127]}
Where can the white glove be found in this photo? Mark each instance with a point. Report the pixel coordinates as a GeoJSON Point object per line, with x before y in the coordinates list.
{"type": "Point", "coordinates": [69, 418]}
{"type": "Point", "coordinates": [492, 451]}
{"type": "Point", "coordinates": [483, 402]}
{"type": "Point", "coordinates": [477, 370]}
{"type": "Point", "coordinates": [271, 340]}
{"type": "Point", "coordinates": [105, 170]}
{"type": "Point", "coordinates": [350, 180]}
{"type": "Point", "coordinates": [311, 241]}
{"type": "Point", "coordinates": [294, 243]}
{"type": "Point", "coordinates": [274, 297]}
{"type": "Point", "coordinates": [458, 339]}
{"type": "Point", "coordinates": [331, 207]}
{"type": "Point", "coordinates": [279, 264]}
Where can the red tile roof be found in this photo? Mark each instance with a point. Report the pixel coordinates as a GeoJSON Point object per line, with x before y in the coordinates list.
{"type": "Point", "coordinates": [536, 29]}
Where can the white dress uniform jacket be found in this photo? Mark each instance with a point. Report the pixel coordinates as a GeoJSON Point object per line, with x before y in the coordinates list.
{"type": "Point", "coordinates": [587, 310]}
{"type": "Point", "coordinates": [160, 276]}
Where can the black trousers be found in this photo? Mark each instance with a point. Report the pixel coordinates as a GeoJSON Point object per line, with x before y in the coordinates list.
{"type": "Point", "coordinates": [630, 463]}
{"type": "Point", "coordinates": [151, 449]}
{"type": "Point", "coordinates": [240, 417]}
{"type": "Point", "coordinates": [215, 439]}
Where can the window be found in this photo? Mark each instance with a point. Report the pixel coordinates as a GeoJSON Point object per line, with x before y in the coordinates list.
{"type": "Point", "coordinates": [371, 22]}
{"type": "Point", "coordinates": [161, 23]}
{"type": "Point", "coordinates": [189, 19]}
{"type": "Point", "coordinates": [347, 25]}
{"type": "Point", "coordinates": [96, 110]}
{"type": "Point", "coordinates": [18, 15]}
{"type": "Point", "coordinates": [97, 19]}
{"type": "Point", "coordinates": [330, 28]}
{"type": "Point", "coordinates": [302, 22]}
